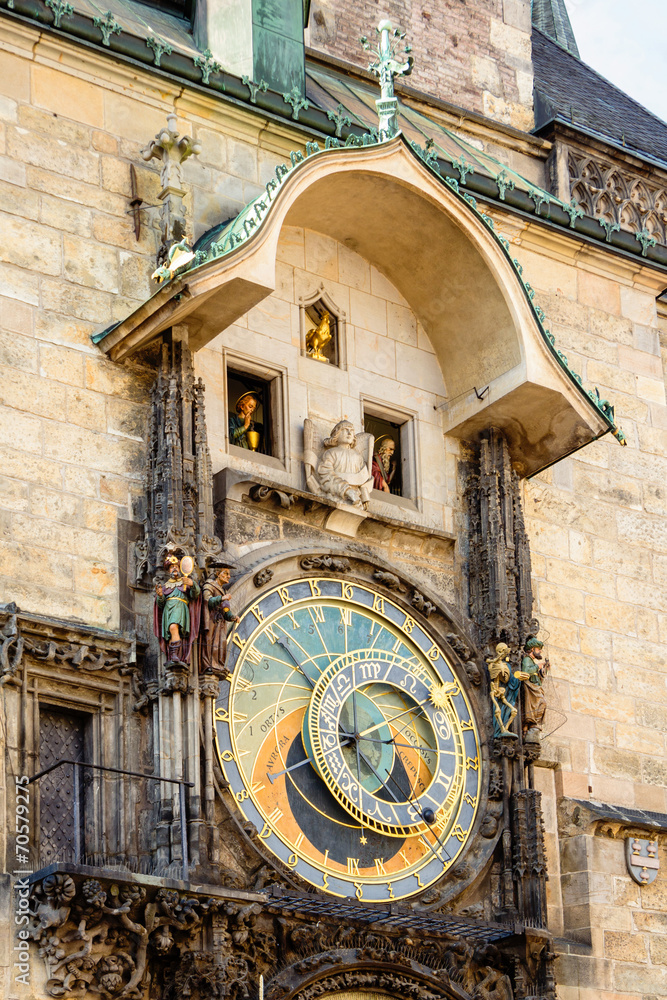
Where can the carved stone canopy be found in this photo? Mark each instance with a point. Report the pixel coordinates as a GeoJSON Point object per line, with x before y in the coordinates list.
{"type": "Point", "coordinates": [482, 325]}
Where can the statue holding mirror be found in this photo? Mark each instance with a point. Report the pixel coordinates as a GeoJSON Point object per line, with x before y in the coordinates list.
{"type": "Point", "coordinates": [177, 609]}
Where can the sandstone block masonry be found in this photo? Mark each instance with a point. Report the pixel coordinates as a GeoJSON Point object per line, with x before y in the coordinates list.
{"type": "Point", "coordinates": [73, 424]}
{"type": "Point", "coordinates": [475, 55]}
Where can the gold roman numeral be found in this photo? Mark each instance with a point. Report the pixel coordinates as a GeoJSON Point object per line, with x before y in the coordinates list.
{"type": "Point", "coordinates": [353, 866]}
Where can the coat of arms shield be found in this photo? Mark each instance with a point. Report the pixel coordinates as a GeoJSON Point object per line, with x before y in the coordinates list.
{"type": "Point", "coordinates": [642, 859]}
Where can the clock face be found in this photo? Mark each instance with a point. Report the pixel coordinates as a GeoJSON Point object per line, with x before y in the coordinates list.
{"type": "Point", "coordinates": [347, 740]}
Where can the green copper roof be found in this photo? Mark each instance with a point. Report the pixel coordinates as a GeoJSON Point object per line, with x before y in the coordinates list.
{"type": "Point", "coordinates": [222, 240]}
{"type": "Point", "coordinates": [551, 17]}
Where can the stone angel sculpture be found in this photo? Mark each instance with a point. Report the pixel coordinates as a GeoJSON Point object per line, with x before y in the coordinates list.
{"type": "Point", "coordinates": [339, 466]}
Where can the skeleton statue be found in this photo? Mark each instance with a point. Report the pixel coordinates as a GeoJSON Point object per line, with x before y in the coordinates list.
{"type": "Point", "coordinates": [340, 467]}
{"type": "Point", "coordinates": [504, 690]}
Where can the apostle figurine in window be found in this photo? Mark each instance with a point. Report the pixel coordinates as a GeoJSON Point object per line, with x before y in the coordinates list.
{"type": "Point", "coordinates": [216, 613]}
{"type": "Point", "coordinates": [384, 463]}
{"type": "Point", "coordinates": [242, 429]}
{"type": "Point", "coordinates": [342, 469]}
{"type": "Point", "coordinates": [177, 608]}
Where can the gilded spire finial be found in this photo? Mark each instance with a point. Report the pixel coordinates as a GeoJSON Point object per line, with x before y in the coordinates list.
{"type": "Point", "coordinates": [387, 65]}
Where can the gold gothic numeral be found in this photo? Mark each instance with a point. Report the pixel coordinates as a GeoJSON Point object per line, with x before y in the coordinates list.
{"type": "Point", "coordinates": [238, 641]}
{"type": "Point", "coordinates": [470, 800]}
{"type": "Point", "coordinates": [284, 595]}
{"type": "Point", "coordinates": [227, 755]}
{"type": "Point", "coordinates": [359, 889]}
{"type": "Point", "coordinates": [346, 591]}
{"type": "Point", "coordinates": [314, 589]}
{"type": "Point", "coordinates": [433, 653]}
{"type": "Point", "coordinates": [391, 890]}
{"type": "Point", "coordinates": [472, 763]}
{"type": "Point", "coordinates": [257, 612]}
{"type": "Point", "coordinates": [419, 879]}
{"type": "Point", "coordinates": [466, 724]}
{"type": "Point", "coordinates": [378, 603]}
{"type": "Point", "coordinates": [408, 624]}
{"type": "Point", "coordinates": [459, 833]}
{"type": "Point", "coordinates": [221, 715]}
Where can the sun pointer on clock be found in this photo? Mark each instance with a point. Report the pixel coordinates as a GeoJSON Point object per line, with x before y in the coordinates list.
{"type": "Point", "coordinates": [441, 693]}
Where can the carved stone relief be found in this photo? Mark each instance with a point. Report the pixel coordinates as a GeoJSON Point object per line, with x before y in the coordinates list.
{"type": "Point", "coordinates": [338, 465]}
{"type": "Point", "coordinates": [626, 200]}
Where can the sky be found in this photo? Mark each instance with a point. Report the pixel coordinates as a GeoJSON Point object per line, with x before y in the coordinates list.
{"type": "Point", "coordinates": [626, 41]}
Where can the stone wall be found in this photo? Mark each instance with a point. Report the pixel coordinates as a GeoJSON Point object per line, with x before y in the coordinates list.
{"type": "Point", "coordinates": [596, 523]}
{"type": "Point", "coordinates": [73, 423]}
{"type": "Point", "coordinates": [477, 56]}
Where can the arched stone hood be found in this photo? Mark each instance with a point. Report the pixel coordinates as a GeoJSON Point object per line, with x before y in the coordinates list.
{"type": "Point", "coordinates": [386, 202]}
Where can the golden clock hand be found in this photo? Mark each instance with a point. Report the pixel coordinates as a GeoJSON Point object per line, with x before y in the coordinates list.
{"type": "Point", "coordinates": [306, 760]}
{"type": "Point", "coordinates": [389, 792]}
{"type": "Point", "coordinates": [386, 722]}
{"type": "Point", "coordinates": [428, 816]}
{"type": "Point", "coordinates": [356, 741]}
{"type": "Point", "coordinates": [281, 642]}
{"type": "Point", "coordinates": [408, 746]}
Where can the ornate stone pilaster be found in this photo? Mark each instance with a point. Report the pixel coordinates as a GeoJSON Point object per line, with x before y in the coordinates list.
{"type": "Point", "coordinates": [179, 487]}
{"type": "Point", "coordinates": [500, 592]}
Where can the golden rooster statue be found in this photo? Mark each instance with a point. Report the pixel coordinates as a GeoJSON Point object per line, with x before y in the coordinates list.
{"type": "Point", "coordinates": [319, 337]}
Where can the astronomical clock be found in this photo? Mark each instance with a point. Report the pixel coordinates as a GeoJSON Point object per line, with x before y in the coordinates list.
{"type": "Point", "coordinates": [348, 740]}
